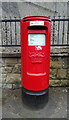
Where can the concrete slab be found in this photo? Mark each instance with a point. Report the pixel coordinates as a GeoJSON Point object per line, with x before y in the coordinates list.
{"type": "Point", "coordinates": [13, 105]}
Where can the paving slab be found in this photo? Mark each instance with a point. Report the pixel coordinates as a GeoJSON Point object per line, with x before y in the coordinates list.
{"type": "Point", "coordinates": [14, 105]}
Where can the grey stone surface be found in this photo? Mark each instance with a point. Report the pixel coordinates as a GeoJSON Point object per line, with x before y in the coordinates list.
{"type": "Point", "coordinates": [14, 107]}
{"type": "Point", "coordinates": [16, 51]}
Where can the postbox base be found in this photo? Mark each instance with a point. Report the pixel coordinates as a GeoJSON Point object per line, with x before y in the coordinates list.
{"type": "Point", "coordinates": [38, 93]}
{"type": "Point", "coordinates": [35, 100]}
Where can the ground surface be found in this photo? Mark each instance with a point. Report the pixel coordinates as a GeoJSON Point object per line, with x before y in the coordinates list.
{"type": "Point", "coordinates": [13, 106]}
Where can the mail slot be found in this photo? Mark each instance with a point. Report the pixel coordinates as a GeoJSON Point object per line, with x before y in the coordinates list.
{"type": "Point", "coordinates": [35, 54]}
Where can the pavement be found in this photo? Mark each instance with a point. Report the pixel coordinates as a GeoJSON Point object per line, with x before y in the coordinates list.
{"type": "Point", "coordinates": [17, 105]}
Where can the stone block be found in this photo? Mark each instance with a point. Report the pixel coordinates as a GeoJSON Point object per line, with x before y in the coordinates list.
{"type": "Point", "coordinates": [16, 68]}
{"type": "Point", "coordinates": [10, 60]}
{"type": "Point", "coordinates": [15, 86]}
{"type": "Point", "coordinates": [65, 83]}
{"type": "Point", "coordinates": [3, 78]}
{"type": "Point", "coordinates": [59, 51]}
{"type": "Point", "coordinates": [2, 62]}
{"type": "Point", "coordinates": [13, 78]}
{"type": "Point", "coordinates": [55, 62]}
{"type": "Point", "coordinates": [62, 73]}
{"type": "Point", "coordinates": [7, 86]}
{"type": "Point", "coordinates": [59, 83]}
{"type": "Point", "coordinates": [6, 70]}
{"type": "Point", "coordinates": [19, 60]}
{"type": "Point", "coordinates": [53, 73]}
{"type": "Point", "coordinates": [3, 75]}
{"type": "Point", "coordinates": [55, 83]}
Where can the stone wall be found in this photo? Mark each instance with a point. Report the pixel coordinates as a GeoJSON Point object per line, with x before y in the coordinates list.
{"type": "Point", "coordinates": [10, 60]}
{"type": "Point", "coordinates": [10, 67]}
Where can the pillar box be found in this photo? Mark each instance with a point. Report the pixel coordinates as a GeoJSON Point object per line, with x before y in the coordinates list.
{"type": "Point", "coordinates": [35, 54]}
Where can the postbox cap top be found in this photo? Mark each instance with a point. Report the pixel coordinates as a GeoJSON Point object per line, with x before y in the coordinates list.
{"type": "Point", "coordinates": [37, 17]}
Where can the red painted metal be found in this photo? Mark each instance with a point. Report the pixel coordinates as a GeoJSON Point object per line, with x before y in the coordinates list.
{"type": "Point", "coordinates": [35, 60]}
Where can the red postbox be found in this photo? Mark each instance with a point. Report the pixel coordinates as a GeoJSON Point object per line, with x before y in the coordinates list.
{"type": "Point", "coordinates": [35, 54]}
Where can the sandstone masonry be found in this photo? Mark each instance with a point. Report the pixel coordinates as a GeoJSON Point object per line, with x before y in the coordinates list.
{"type": "Point", "coordinates": [11, 72]}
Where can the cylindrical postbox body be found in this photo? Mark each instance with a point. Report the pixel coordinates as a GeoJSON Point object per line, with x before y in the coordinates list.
{"type": "Point", "coordinates": [35, 53]}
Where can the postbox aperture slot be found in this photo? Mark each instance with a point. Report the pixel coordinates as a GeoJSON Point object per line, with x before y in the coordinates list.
{"type": "Point", "coordinates": [36, 39]}
{"type": "Point", "coordinates": [37, 27]}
